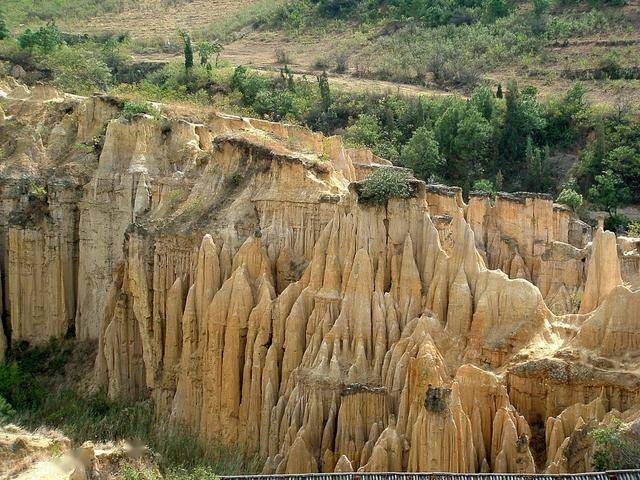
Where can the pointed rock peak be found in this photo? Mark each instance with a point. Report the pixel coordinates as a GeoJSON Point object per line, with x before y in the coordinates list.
{"type": "Point", "coordinates": [603, 273]}
{"type": "Point", "coordinates": [300, 459]}
{"type": "Point", "coordinates": [409, 269]}
{"type": "Point", "coordinates": [266, 292]}
{"type": "Point", "coordinates": [177, 285]}
{"type": "Point", "coordinates": [255, 258]}
{"type": "Point", "coordinates": [208, 245]}
{"type": "Point", "coordinates": [361, 271]}
{"type": "Point", "coordinates": [343, 465]}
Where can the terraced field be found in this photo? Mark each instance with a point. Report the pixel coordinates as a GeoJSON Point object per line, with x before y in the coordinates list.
{"type": "Point", "coordinates": [157, 20]}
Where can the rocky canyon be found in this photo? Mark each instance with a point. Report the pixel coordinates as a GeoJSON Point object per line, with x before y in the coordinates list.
{"type": "Point", "coordinates": [232, 270]}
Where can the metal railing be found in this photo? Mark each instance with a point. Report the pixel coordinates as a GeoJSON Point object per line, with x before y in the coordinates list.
{"type": "Point", "coordinates": [611, 475]}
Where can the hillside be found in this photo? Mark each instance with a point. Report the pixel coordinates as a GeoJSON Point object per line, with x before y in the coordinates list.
{"type": "Point", "coordinates": [568, 41]}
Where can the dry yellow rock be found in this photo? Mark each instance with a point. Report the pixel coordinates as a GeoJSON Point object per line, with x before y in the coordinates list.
{"type": "Point", "coordinates": [230, 270]}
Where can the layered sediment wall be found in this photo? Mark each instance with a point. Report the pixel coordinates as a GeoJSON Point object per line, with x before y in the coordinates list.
{"type": "Point", "coordinates": [229, 269]}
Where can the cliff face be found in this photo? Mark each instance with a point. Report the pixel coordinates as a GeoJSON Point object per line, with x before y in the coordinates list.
{"type": "Point", "coordinates": [229, 269]}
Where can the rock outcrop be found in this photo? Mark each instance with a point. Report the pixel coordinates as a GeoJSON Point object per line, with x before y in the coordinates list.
{"type": "Point", "coordinates": [48, 455]}
{"type": "Point", "coordinates": [231, 271]}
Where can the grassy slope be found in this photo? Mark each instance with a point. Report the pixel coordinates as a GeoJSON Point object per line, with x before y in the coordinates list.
{"type": "Point", "coordinates": [30, 12]}
{"type": "Point", "coordinates": [50, 386]}
{"type": "Point", "coordinates": [577, 39]}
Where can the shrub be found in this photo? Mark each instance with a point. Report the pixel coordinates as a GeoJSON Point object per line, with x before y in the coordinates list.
{"type": "Point", "coordinates": [282, 56]}
{"type": "Point", "coordinates": [131, 109]}
{"type": "Point", "coordinates": [570, 198]}
{"type": "Point", "coordinates": [19, 388]}
{"type": "Point", "coordinates": [95, 417]}
{"type": "Point", "coordinates": [610, 65]}
{"type": "Point", "coordinates": [342, 62]}
{"type": "Point", "coordinates": [484, 185]}
{"type": "Point", "coordinates": [616, 222]}
{"type": "Point", "coordinates": [4, 30]}
{"type": "Point", "coordinates": [234, 180]}
{"type": "Point", "coordinates": [633, 229]}
{"type": "Point", "coordinates": [173, 77]}
{"type": "Point", "coordinates": [437, 399]}
{"type": "Point", "coordinates": [45, 39]}
{"type": "Point", "coordinates": [385, 183]}
{"type": "Point", "coordinates": [322, 63]}
{"type": "Point", "coordinates": [78, 70]}
{"type": "Point", "coordinates": [613, 449]}
{"type": "Point", "coordinates": [6, 410]}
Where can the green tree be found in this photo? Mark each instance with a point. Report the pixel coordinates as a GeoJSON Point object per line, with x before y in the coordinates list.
{"type": "Point", "coordinates": [499, 93]}
{"type": "Point", "coordinates": [46, 39]}
{"type": "Point", "coordinates": [484, 101]}
{"type": "Point", "coordinates": [325, 92]}
{"type": "Point", "coordinates": [4, 29]}
{"type": "Point", "coordinates": [463, 135]}
{"type": "Point", "coordinates": [248, 83]}
{"type": "Point", "coordinates": [613, 449]}
{"type": "Point", "coordinates": [540, 7]}
{"type": "Point", "coordinates": [365, 131]}
{"type": "Point", "coordinates": [495, 9]}
{"type": "Point", "coordinates": [523, 120]}
{"type": "Point", "coordinates": [286, 76]}
{"type": "Point", "coordinates": [421, 154]}
{"type": "Point", "coordinates": [566, 117]}
{"type": "Point", "coordinates": [592, 161]}
{"type": "Point", "coordinates": [472, 145]}
{"type": "Point", "coordinates": [538, 169]}
{"type": "Point", "coordinates": [206, 49]}
{"type": "Point", "coordinates": [499, 180]}
{"type": "Point", "coordinates": [609, 192]}
{"type": "Point", "coordinates": [446, 132]}
{"type": "Point", "coordinates": [187, 51]}
{"type": "Point", "coordinates": [368, 131]}
{"type": "Point", "coordinates": [625, 162]}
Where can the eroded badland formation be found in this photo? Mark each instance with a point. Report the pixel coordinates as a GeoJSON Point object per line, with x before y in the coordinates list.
{"type": "Point", "coordinates": [228, 270]}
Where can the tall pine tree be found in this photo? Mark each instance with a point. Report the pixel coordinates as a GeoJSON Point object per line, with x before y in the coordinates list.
{"type": "Point", "coordinates": [188, 51]}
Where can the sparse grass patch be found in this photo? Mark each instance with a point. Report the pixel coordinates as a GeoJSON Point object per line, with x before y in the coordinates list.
{"type": "Point", "coordinates": [283, 56]}
{"type": "Point", "coordinates": [257, 14]}
{"type": "Point", "coordinates": [33, 11]}
{"type": "Point", "coordinates": [33, 397]}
